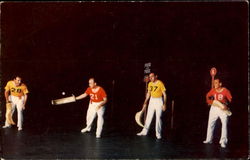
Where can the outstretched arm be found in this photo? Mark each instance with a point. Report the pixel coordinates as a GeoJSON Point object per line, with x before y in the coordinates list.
{"type": "Point", "coordinates": [81, 96]}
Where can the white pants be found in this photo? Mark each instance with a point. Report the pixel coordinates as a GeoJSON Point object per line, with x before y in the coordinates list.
{"type": "Point", "coordinates": [214, 114]}
{"type": "Point", "coordinates": [19, 104]}
{"type": "Point", "coordinates": [91, 114]}
{"type": "Point", "coordinates": [154, 106]}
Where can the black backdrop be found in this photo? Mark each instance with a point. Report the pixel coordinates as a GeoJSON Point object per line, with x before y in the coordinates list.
{"type": "Point", "coordinates": [57, 47]}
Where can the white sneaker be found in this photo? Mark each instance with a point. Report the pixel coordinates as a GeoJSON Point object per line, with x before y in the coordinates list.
{"type": "Point", "coordinates": [158, 136]}
{"type": "Point", "coordinates": [85, 130]}
{"type": "Point", "coordinates": [223, 145]}
{"type": "Point", "coordinates": [20, 128]}
{"type": "Point", "coordinates": [6, 126]}
{"type": "Point", "coordinates": [98, 136]}
{"type": "Point", "coordinates": [141, 134]}
{"type": "Point", "coordinates": [207, 142]}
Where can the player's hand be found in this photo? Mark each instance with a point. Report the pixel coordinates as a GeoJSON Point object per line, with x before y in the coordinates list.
{"type": "Point", "coordinates": [209, 102]}
{"type": "Point", "coordinates": [8, 101]}
{"type": "Point", "coordinates": [98, 107]}
{"type": "Point", "coordinates": [164, 107]}
{"type": "Point", "coordinates": [24, 104]}
{"type": "Point", "coordinates": [224, 107]}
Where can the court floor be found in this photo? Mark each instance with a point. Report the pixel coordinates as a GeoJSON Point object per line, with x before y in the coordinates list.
{"type": "Point", "coordinates": [70, 143]}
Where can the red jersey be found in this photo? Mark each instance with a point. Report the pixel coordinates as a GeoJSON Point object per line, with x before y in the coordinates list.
{"type": "Point", "coordinates": [96, 96]}
{"type": "Point", "coordinates": [223, 96]}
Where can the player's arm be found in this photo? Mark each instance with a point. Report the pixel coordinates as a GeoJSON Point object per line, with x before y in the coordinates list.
{"type": "Point", "coordinates": [164, 107]}
{"type": "Point", "coordinates": [229, 96]}
{"type": "Point", "coordinates": [146, 101]}
{"type": "Point", "coordinates": [25, 98]}
{"type": "Point", "coordinates": [6, 94]}
{"type": "Point", "coordinates": [228, 100]}
{"type": "Point", "coordinates": [105, 100]}
{"type": "Point", "coordinates": [208, 98]}
{"type": "Point", "coordinates": [81, 96]}
{"type": "Point", "coordinates": [25, 95]}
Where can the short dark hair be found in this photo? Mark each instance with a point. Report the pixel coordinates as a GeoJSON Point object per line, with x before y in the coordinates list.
{"type": "Point", "coordinates": [92, 79]}
{"type": "Point", "coordinates": [16, 76]}
{"type": "Point", "coordinates": [153, 73]}
{"type": "Point", "coordinates": [218, 78]}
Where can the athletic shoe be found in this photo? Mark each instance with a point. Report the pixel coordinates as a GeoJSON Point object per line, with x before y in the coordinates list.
{"type": "Point", "coordinates": [98, 136]}
{"type": "Point", "coordinates": [85, 130]}
{"type": "Point", "coordinates": [6, 126]}
{"type": "Point", "coordinates": [141, 134]}
{"type": "Point", "coordinates": [223, 145]}
{"type": "Point", "coordinates": [207, 142]}
{"type": "Point", "coordinates": [158, 136]}
{"type": "Point", "coordinates": [20, 128]}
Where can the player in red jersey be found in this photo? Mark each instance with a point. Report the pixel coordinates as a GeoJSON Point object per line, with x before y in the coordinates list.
{"type": "Point", "coordinates": [224, 96]}
{"type": "Point", "coordinates": [98, 99]}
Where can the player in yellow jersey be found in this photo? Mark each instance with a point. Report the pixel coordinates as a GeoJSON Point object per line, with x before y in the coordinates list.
{"type": "Point", "coordinates": [157, 103]}
{"type": "Point", "coordinates": [16, 95]}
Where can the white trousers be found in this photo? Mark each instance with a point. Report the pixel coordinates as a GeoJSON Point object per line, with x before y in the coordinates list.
{"type": "Point", "coordinates": [91, 114]}
{"type": "Point", "coordinates": [154, 107]}
{"type": "Point", "coordinates": [214, 114]}
{"type": "Point", "coordinates": [18, 103]}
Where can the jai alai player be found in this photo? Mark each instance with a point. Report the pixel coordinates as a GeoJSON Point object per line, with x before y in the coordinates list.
{"type": "Point", "coordinates": [224, 96]}
{"type": "Point", "coordinates": [16, 94]}
{"type": "Point", "coordinates": [98, 99]}
{"type": "Point", "coordinates": [157, 104]}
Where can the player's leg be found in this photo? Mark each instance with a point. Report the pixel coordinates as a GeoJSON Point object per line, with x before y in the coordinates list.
{"type": "Point", "coordinates": [158, 122]}
{"type": "Point", "coordinates": [150, 115]}
{"type": "Point", "coordinates": [19, 105]}
{"type": "Point", "coordinates": [13, 105]}
{"type": "Point", "coordinates": [224, 122]}
{"type": "Point", "coordinates": [213, 116]}
{"type": "Point", "coordinates": [91, 114]}
{"type": "Point", "coordinates": [100, 121]}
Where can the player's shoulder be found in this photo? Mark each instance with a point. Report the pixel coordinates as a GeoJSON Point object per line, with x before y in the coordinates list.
{"type": "Point", "coordinates": [101, 88]}
{"type": "Point", "coordinates": [88, 90]}
{"type": "Point", "coordinates": [212, 90]}
{"type": "Point", "coordinates": [150, 83]}
{"type": "Point", "coordinates": [225, 89]}
{"type": "Point", "coordinates": [11, 82]}
{"type": "Point", "coordinates": [23, 85]}
{"type": "Point", "coordinates": [160, 82]}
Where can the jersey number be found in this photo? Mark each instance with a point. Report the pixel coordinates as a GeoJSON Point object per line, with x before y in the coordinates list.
{"type": "Point", "coordinates": [93, 96]}
{"type": "Point", "coordinates": [153, 88]}
{"type": "Point", "coordinates": [18, 90]}
{"type": "Point", "coordinates": [220, 97]}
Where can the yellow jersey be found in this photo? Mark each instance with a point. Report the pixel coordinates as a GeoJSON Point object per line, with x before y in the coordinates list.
{"type": "Point", "coordinates": [156, 89]}
{"type": "Point", "coordinates": [17, 91]}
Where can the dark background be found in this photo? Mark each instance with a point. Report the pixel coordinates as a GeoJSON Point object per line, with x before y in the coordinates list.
{"type": "Point", "coordinates": [57, 47]}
